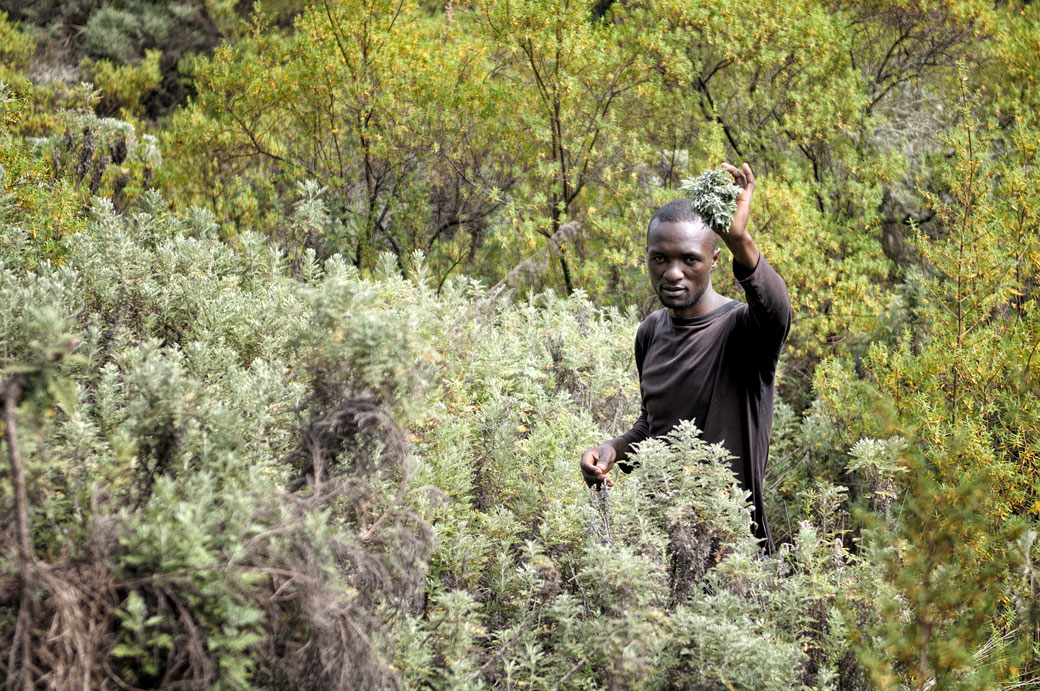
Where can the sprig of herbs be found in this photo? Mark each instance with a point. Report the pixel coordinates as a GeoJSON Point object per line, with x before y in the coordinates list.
{"type": "Point", "coordinates": [714, 198]}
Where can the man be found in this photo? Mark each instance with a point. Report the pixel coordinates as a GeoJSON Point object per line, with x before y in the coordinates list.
{"type": "Point", "coordinates": [705, 357]}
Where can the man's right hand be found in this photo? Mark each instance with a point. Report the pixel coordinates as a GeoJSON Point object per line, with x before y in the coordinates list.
{"type": "Point", "coordinates": [596, 463]}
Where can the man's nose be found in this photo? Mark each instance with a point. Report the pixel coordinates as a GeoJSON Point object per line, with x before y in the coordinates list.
{"type": "Point", "coordinates": [673, 272]}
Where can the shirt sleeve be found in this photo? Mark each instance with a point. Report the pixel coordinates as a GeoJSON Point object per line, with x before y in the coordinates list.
{"type": "Point", "coordinates": [769, 305]}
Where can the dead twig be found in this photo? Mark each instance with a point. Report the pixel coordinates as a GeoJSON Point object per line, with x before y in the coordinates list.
{"type": "Point", "coordinates": [599, 499]}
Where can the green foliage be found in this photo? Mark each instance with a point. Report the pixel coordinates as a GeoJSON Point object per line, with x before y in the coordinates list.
{"type": "Point", "coordinates": [38, 208]}
{"type": "Point", "coordinates": [531, 141]}
{"type": "Point", "coordinates": [714, 198]}
{"type": "Point", "coordinates": [16, 48]}
{"type": "Point", "coordinates": [228, 436]}
{"type": "Point", "coordinates": [124, 86]}
{"type": "Point", "coordinates": [719, 646]}
{"type": "Point", "coordinates": [971, 461]}
{"type": "Point", "coordinates": [171, 462]}
{"type": "Point", "coordinates": [279, 433]}
{"type": "Point", "coordinates": [140, 52]}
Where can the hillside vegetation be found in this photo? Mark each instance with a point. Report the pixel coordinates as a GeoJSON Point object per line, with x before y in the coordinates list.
{"type": "Point", "coordinates": [308, 310]}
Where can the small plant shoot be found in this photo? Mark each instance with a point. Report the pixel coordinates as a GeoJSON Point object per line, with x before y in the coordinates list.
{"type": "Point", "coordinates": [714, 197]}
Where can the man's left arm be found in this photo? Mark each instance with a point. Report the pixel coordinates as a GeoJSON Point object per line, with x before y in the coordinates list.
{"type": "Point", "coordinates": [769, 305]}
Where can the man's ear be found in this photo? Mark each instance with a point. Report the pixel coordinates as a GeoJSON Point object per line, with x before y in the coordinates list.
{"type": "Point", "coordinates": [715, 257]}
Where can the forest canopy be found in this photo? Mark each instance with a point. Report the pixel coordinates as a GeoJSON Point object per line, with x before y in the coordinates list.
{"type": "Point", "coordinates": [308, 309]}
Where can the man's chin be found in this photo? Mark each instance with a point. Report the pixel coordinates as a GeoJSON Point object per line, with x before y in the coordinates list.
{"type": "Point", "coordinates": [676, 302]}
{"type": "Point", "coordinates": [680, 302]}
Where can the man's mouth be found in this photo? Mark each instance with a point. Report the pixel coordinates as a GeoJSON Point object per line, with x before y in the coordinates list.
{"type": "Point", "coordinates": [673, 290]}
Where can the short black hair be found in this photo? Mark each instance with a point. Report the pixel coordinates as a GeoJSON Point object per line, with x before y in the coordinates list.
{"type": "Point", "coordinates": [677, 211]}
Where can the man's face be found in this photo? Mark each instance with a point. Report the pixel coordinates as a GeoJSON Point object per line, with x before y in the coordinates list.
{"type": "Point", "coordinates": [679, 258]}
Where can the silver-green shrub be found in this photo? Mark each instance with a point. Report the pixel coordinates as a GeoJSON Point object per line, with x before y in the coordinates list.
{"type": "Point", "coordinates": [256, 472]}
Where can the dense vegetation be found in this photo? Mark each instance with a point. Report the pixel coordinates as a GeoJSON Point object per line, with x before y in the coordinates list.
{"type": "Point", "coordinates": [307, 311]}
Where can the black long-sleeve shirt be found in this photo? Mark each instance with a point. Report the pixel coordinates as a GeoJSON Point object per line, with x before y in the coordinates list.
{"type": "Point", "coordinates": [718, 370]}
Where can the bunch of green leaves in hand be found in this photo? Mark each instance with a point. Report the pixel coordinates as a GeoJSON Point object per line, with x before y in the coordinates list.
{"type": "Point", "coordinates": [714, 197]}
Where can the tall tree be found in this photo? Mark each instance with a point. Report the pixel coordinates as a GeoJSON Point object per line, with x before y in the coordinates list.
{"type": "Point", "coordinates": [581, 87]}
{"type": "Point", "coordinates": [391, 128]}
